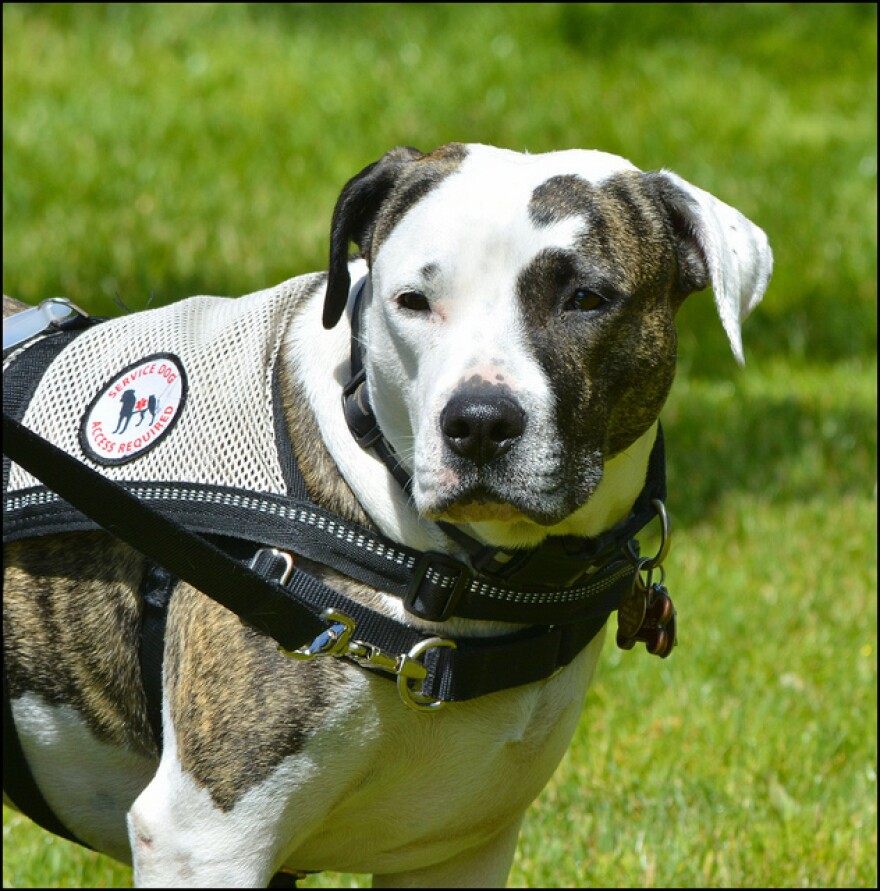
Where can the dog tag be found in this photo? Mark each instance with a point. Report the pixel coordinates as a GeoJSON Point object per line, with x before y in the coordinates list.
{"type": "Point", "coordinates": [657, 629]}
{"type": "Point", "coordinates": [631, 612]}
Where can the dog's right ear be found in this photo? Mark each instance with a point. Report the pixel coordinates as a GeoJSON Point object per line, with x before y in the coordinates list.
{"type": "Point", "coordinates": [353, 219]}
{"type": "Point", "coordinates": [717, 245]}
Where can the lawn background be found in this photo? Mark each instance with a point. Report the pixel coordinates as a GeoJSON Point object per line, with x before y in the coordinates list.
{"type": "Point", "coordinates": [153, 152]}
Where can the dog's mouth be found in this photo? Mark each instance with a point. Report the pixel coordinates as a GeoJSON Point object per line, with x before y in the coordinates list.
{"type": "Point", "coordinates": [540, 490]}
{"type": "Point", "coordinates": [496, 512]}
{"type": "Point", "coordinates": [481, 504]}
{"type": "Point", "coordinates": [476, 504]}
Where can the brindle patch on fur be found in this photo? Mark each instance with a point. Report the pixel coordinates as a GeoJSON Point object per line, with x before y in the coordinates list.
{"type": "Point", "coordinates": [416, 179]}
{"type": "Point", "coordinates": [12, 306]}
{"type": "Point", "coordinates": [71, 626]}
{"type": "Point", "coordinates": [626, 234]}
{"type": "Point", "coordinates": [239, 706]}
{"type": "Point", "coordinates": [617, 361]}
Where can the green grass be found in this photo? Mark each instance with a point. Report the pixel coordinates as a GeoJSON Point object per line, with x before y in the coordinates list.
{"type": "Point", "coordinates": [173, 150]}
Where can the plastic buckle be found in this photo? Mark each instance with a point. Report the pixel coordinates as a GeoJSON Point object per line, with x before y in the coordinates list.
{"type": "Point", "coordinates": [358, 412]}
{"type": "Point", "coordinates": [436, 599]}
{"type": "Point", "coordinates": [36, 319]}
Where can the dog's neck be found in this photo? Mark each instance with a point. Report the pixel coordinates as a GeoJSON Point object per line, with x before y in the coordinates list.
{"type": "Point", "coordinates": [321, 363]}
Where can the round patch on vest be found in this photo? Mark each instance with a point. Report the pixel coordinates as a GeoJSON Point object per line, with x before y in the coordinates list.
{"type": "Point", "coordinates": [135, 410]}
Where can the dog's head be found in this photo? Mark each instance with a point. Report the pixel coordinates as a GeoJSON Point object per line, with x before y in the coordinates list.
{"type": "Point", "coordinates": [520, 316]}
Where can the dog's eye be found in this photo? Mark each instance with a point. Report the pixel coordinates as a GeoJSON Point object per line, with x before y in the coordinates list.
{"type": "Point", "coordinates": [585, 300]}
{"type": "Point", "coordinates": [413, 301]}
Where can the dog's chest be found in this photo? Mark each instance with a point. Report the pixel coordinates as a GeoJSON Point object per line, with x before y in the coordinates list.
{"type": "Point", "coordinates": [407, 786]}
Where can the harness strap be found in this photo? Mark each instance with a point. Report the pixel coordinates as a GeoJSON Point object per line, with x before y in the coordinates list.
{"type": "Point", "coordinates": [432, 585]}
{"type": "Point", "coordinates": [156, 589]}
{"type": "Point", "coordinates": [264, 604]}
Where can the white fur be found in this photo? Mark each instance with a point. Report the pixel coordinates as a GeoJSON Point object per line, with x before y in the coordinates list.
{"type": "Point", "coordinates": [89, 784]}
{"type": "Point", "coordinates": [325, 809]}
{"type": "Point", "coordinates": [739, 255]}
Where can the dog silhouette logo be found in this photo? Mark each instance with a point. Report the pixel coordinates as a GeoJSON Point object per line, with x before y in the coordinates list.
{"type": "Point", "coordinates": [134, 410]}
{"type": "Point", "coordinates": [130, 405]}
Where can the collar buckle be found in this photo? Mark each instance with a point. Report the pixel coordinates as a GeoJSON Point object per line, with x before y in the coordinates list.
{"type": "Point", "coordinates": [436, 586]}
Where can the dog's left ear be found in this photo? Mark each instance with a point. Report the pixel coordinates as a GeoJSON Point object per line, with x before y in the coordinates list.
{"type": "Point", "coordinates": [717, 245]}
{"type": "Point", "coordinates": [353, 219]}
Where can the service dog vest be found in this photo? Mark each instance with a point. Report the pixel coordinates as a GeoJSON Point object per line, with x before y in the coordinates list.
{"type": "Point", "coordinates": [179, 404]}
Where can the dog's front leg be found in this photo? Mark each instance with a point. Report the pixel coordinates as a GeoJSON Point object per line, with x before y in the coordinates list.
{"type": "Point", "coordinates": [214, 813]}
{"type": "Point", "coordinates": [484, 866]}
{"type": "Point", "coordinates": [180, 838]}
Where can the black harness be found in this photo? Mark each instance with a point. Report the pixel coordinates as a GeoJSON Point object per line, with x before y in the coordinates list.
{"type": "Point", "coordinates": [239, 548]}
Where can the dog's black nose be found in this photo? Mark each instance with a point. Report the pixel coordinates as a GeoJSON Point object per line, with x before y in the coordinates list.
{"type": "Point", "coordinates": [481, 426]}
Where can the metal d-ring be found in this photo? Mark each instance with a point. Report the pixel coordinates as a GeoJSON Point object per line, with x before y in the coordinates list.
{"type": "Point", "coordinates": [650, 563]}
{"type": "Point", "coordinates": [411, 669]}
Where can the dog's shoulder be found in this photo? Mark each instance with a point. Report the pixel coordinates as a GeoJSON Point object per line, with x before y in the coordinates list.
{"type": "Point", "coordinates": [61, 594]}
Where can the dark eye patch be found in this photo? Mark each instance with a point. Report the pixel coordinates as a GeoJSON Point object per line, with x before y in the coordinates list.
{"type": "Point", "coordinates": [559, 280]}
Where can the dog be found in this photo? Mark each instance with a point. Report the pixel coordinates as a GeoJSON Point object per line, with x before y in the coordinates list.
{"type": "Point", "coordinates": [517, 323]}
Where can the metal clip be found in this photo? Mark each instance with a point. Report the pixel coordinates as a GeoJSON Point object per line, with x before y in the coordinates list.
{"type": "Point", "coordinates": [412, 670]}
{"type": "Point", "coordinates": [333, 641]}
{"type": "Point", "coordinates": [368, 655]}
{"type": "Point", "coordinates": [406, 667]}
{"type": "Point", "coordinates": [336, 641]}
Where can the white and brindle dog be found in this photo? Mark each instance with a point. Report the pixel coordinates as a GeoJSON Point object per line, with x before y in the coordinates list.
{"type": "Point", "coordinates": [519, 345]}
